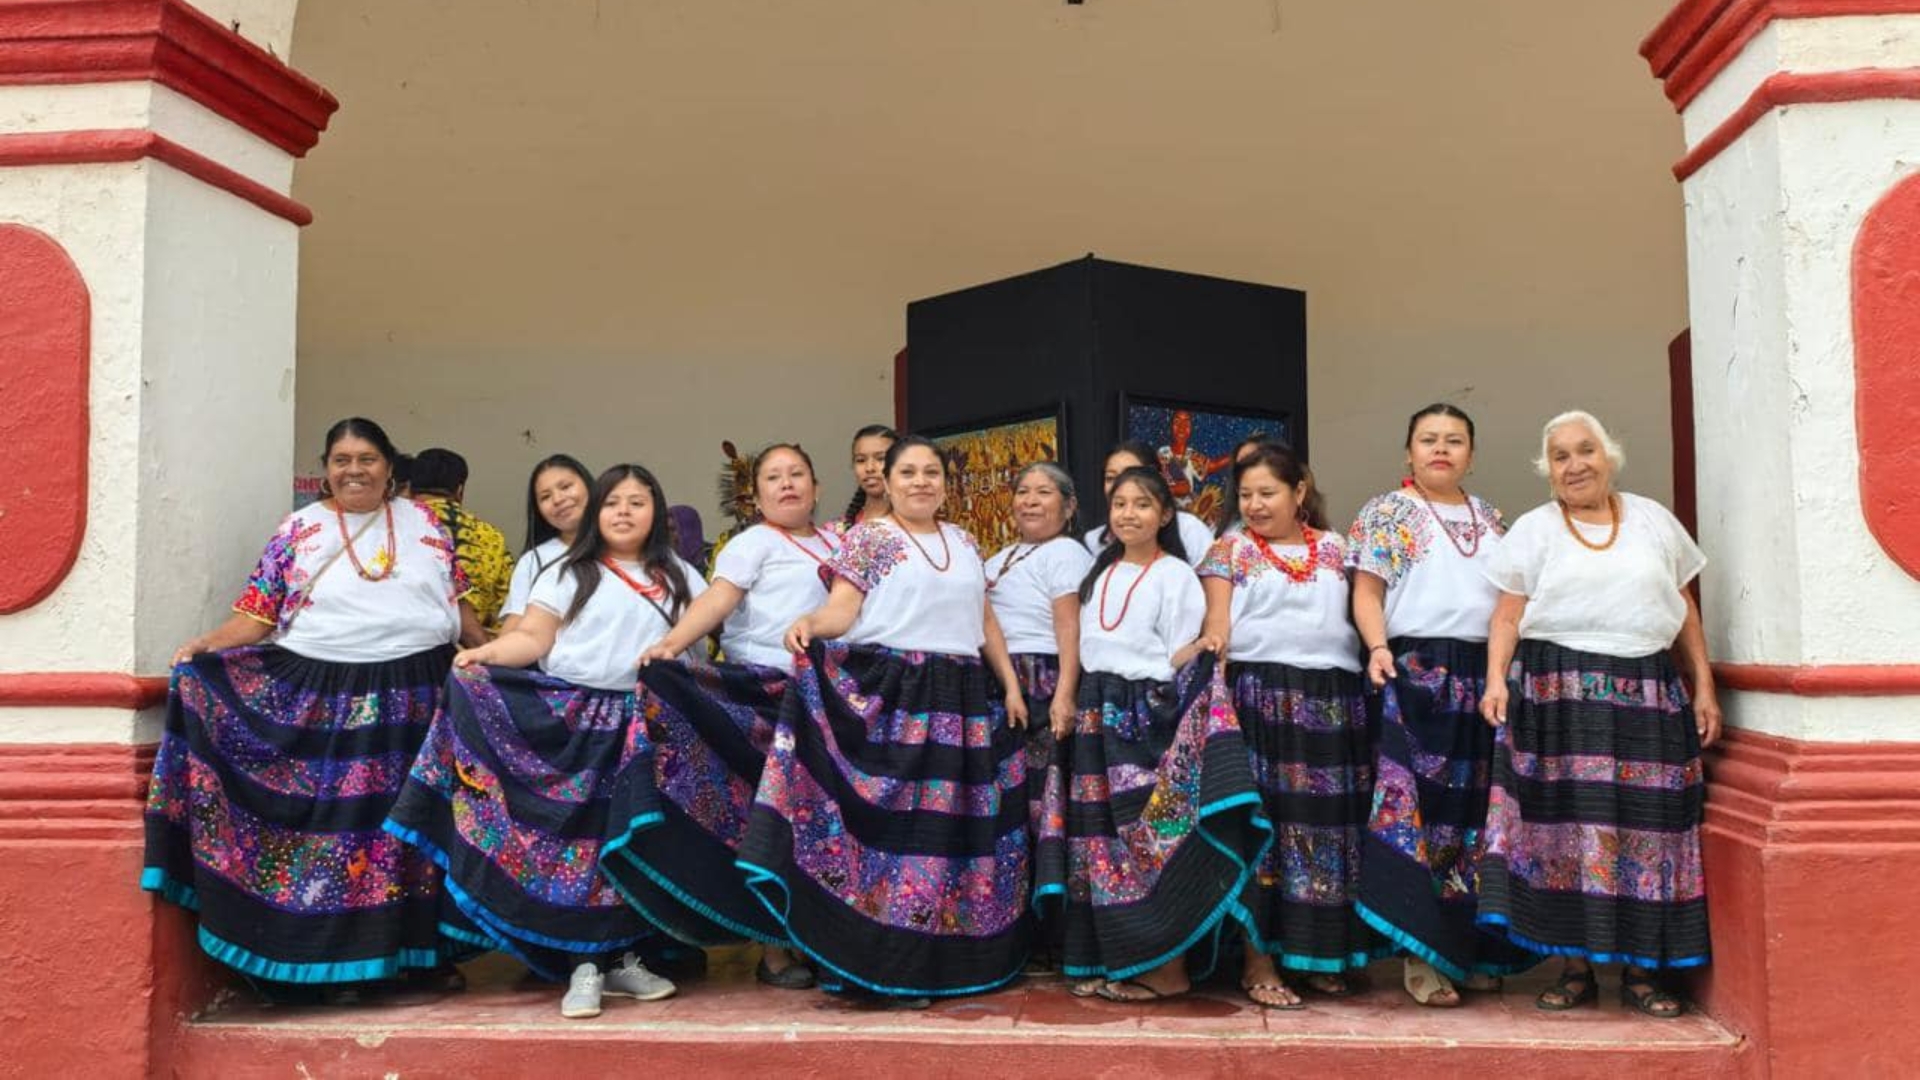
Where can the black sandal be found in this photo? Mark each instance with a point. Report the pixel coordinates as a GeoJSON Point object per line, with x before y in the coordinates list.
{"type": "Point", "coordinates": [1651, 1001]}
{"type": "Point", "coordinates": [1588, 994]}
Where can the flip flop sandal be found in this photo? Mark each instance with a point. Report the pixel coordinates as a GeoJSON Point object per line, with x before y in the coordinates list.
{"type": "Point", "coordinates": [1086, 988]}
{"type": "Point", "coordinates": [1291, 1002]}
{"type": "Point", "coordinates": [1116, 991]}
{"type": "Point", "coordinates": [1426, 986]}
{"type": "Point", "coordinates": [1588, 994]}
{"type": "Point", "coordinates": [1481, 983]}
{"type": "Point", "coordinates": [1653, 1001]}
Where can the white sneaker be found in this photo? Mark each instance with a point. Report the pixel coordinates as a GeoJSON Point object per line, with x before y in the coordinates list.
{"type": "Point", "coordinates": [583, 993]}
{"type": "Point", "coordinates": [632, 979]}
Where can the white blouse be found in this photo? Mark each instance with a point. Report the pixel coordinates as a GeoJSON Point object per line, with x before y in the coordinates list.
{"type": "Point", "coordinates": [925, 598]}
{"type": "Point", "coordinates": [601, 647]}
{"type": "Point", "coordinates": [1434, 589]}
{"type": "Point", "coordinates": [1194, 536]}
{"type": "Point", "coordinates": [544, 554]}
{"type": "Point", "coordinates": [321, 606]}
{"type": "Point", "coordinates": [1025, 581]}
{"type": "Point", "coordinates": [1623, 601]}
{"type": "Point", "coordinates": [1277, 620]}
{"type": "Point", "coordinates": [1139, 617]}
{"type": "Point", "coordinates": [783, 577]}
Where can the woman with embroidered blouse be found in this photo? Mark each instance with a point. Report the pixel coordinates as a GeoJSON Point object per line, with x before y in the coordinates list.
{"type": "Point", "coordinates": [288, 733]}
{"type": "Point", "coordinates": [712, 724]}
{"type": "Point", "coordinates": [1593, 825]}
{"type": "Point", "coordinates": [1151, 824]}
{"type": "Point", "coordinates": [1277, 610]}
{"type": "Point", "coordinates": [1421, 604]}
{"type": "Point", "coordinates": [525, 768]}
{"type": "Point", "coordinates": [889, 832]}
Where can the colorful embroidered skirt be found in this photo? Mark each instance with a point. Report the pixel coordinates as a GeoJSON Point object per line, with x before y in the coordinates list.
{"type": "Point", "coordinates": [520, 781]}
{"type": "Point", "coordinates": [270, 784]}
{"type": "Point", "coordinates": [1312, 759]}
{"type": "Point", "coordinates": [889, 832]}
{"type": "Point", "coordinates": [1593, 828]}
{"type": "Point", "coordinates": [1039, 676]}
{"type": "Point", "coordinates": [710, 726]}
{"type": "Point", "coordinates": [1421, 853]}
{"type": "Point", "coordinates": [1159, 828]}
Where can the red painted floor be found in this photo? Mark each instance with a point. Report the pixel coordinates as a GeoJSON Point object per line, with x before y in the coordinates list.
{"type": "Point", "coordinates": [506, 1024]}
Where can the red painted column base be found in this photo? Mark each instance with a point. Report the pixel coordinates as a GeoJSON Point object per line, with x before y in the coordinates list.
{"type": "Point", "coordinates": [1813, 862]}
{"type": "Point", "coordinates": [103, 976]}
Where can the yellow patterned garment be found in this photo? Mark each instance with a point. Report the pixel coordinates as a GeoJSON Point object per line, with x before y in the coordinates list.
{"type": "Point", "coordinates": [481, 552]}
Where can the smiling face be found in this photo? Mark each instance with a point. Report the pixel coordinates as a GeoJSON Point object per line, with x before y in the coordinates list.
{"type": "Point", "coordinates": [870, 465]}
{"type": "Point", "coordinates": [1578, 467]}
{"type": "Point", "coordinates": [917, 485]}
{"type": "Point", "coordinates": [783, 489]}
{"type": "Point", "coordinates": [1118, 462]}
{"type": "Point", "coordinates": [1269, 505]}
{"type": "Point", "coordinates": [1134, 516]}
{"type": "Point", "coordinates": [561, 497]}
{"type": "Point", "coordinates": [357, 474]}
{"type": "Point", "coordinates": [626, 519]}
{"type": "Point", "coordinates": [1040, 509]}
{"type": "Point", "coordinates": [1439, 453]}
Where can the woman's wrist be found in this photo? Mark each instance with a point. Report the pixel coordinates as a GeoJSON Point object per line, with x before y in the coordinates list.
{"type": "Point", "coordinates": [1371, 649]}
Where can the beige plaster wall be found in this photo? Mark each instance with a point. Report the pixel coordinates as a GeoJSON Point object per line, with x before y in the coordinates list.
{"type": "Point", "coordinates": [628, 230]}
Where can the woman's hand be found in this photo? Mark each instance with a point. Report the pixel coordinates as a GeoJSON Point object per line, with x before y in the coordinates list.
{"type": "Point", "coordinates": [479, 654]}
{"type": "Point", "coordinates": [656, 651]}
{"type": "Point", "coordinates": [1380, 669]}
{"type": "Point", "coordinates": [192, 649]}
{"type": "Point", "coordinates": [1493, 703]}
{"type": "Point", "coordinates": [1212, 643]}
{"type": "Point", "coordinates": [1706, 717]}
{"type": "Point", "coordinates": [1187, 652]}
{"type": "Point", "coordinates": [799, 635]}
{"type": "Point", "coordinates": [1016, 708]}
{"type": "Point", "coordinates": [1061, 716]}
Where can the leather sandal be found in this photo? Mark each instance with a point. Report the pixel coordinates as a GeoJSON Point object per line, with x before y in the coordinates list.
{"type": "Point", "coordinates": [1650, 999]}
{"type": "Point", "coordinates": [1570, 998]}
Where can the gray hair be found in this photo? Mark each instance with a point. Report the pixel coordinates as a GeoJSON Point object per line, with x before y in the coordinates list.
{"type": "Point", "coordinates": [1053, 472]}
{"type": "Point", "coordinates": [1615, 456]}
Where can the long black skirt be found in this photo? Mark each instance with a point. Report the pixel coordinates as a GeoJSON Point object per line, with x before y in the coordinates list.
{"type": "Point", "coordinates": [889, 833]}
{"type": "Point", "coordinates": [513, 796]}
{"type": "Point", "coordinates": [273, 775]}
{"type": "Point", "coordinates": [1593, 827]}
{"type": "Point", "coordinates": [1420, 859]}
{"type": "Point", "coordinates": [1153, 825]}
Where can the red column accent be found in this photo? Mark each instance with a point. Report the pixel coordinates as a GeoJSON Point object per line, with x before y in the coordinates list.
{"type": "Point", "coordinates": [1699, 38]}
{"type": "Point", "coordinates": [45, 328]}
{"type": "Point", "coordinates": [1686, 500]}
{"type": "Point", "coordinates": [1886, 371]}
{"type": "Point", "coordinates": [98, 147]}
{"type": "Point", "coordinates": [81, 689]}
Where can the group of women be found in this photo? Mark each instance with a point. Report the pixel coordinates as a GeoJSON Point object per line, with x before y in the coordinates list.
{"type": "Point", "coordinates": [913, 771]}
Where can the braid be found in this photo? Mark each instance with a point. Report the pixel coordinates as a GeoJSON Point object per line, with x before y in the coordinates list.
{"type": "Point", "coordinates": [854, 506]}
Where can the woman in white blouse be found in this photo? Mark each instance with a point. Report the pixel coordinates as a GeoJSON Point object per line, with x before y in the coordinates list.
{"type": "Point", "coordinates": [1034, 587]}
{"type": "Point", "coordinates": [712, 725]}
{"type": "Point", "coordinates": [556, 501]}
{"type": "Point", "coordinates": [1277, 607]}
{"type": "Point", "coordinates": [289, 728]}
{"type": "Point", "coordinates": [1593, 829]}
{"type": "Point", "coordinates": [1152, 824]}
{"type": "Point", "coordinates": [889, 832]}
{"type": "Point", "coordinates": [1421, 604]}
{"type": "Point", "coordinates": [1193, 534]}
{"type": "Point", "coordinates": [526, 774]}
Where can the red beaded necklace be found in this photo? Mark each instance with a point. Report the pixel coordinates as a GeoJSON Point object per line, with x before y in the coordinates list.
{"type": "Point", "coordinates": [647, 590]}
{"type": "Point", "coordinates": [1473, 522]}
{"type": "Point", "coordinates": [810, 553]}
{"type": "Point", "coordinates": [1299, 570]}
{"type": "Point", "coordinates": [946, 550]}
{"type": "Point", "coordinates": [1125, 601]}
{"type": "Point", "coordinates": [392, 549]}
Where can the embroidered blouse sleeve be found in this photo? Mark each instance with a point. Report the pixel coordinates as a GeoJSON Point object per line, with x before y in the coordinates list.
{"type": "Point", "coordinates": [871, 552]}
{"type": "Point", "coordinates": [1382, 541]}
{"type": "Point", "coordinates": [1225, 560]}
{"type": "Point", "coordinates": [277, 585]}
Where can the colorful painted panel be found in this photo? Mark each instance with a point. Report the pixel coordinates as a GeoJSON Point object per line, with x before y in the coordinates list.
{"type": "Point", "coordinates": [981, 464]}
{"type": "Point", "coordinates": [1195, 447]}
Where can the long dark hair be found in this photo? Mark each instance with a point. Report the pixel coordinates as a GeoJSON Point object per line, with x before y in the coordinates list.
{"type": "Point", "coordinates": [1155, 485]}
{"type": "Point", "coordinates": [1230, 516]}
{"type": "Point", "coordinates": [859, 500]}
{"type": "Point", "coordinates": [1285, 464]}
{"type": "Point", "coordinates": [1440, 408]}
{"type": "Point", "coordinates": [539, 529]}
{"type": "Point", "coordinates": [759, 459]}
{"type": "Point", "coordinates": [657, 559]}
{"type": "Point", "coordinates": [1134, 449]}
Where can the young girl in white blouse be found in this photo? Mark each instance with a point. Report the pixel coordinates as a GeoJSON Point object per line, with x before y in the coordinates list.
{"type": "Point", "coordinates": [712, 725]}
{"type": "Point", "coordinates": [563, 740]}
{"type": "Point", "coordinates": [1034, 587]}
{"type": "Point", "coordinates": [556, 501]}
{"type": "Point", "coordinates": [1152, 825]}
{"type": "Point", "coordinates": [1277, 605]}
{"type": "Point", "coordinates": [1192, 533]}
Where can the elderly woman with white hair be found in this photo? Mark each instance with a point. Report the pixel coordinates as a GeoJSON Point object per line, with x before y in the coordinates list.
{"type": "Point", "coordinates": [1593, 827]}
